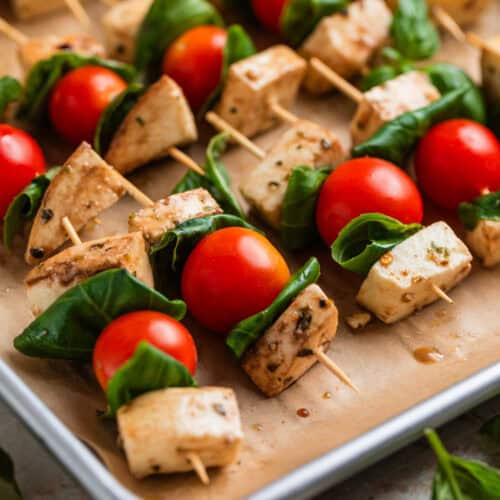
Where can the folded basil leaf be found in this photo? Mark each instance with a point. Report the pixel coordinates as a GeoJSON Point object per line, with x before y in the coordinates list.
{"type": "Point", "coordinates": [412, 31]}
{"type": "Point", "coordinates": [300, 17]}
{"type": "Point", "coordinates": [113, 116]}
{"type": "Point", "coordinates": [491, 429]}
{"type": "Point", "coordinates": [69, 328]}
{"type": "Point", "coordinates": [169, 255]}
{"type": "Point", "coordinates": [297, 224]}
{"type": "Point", "coordinates": [366, 238]}
{"type": "Point", "coordinates": [485, 207]}
{"type": "Point", "coordinates": [395, 140]}
{"type": "Point", "coordinates": [149, 369]}
{"type": "Point", "coordinates": [9, 490]}
{"type": "Point", "coordinates": [10, 91]}
{"type": "Point", "coordinates": [24, 206]}
{"type": "Point", "coordinates": [248, 331]}
{"type": "Point", "coordinates": [165, 21]}
{"type": "Point", "coordinates": [216, 179]}
{"type": "Point", "coordinates": [45, 74]}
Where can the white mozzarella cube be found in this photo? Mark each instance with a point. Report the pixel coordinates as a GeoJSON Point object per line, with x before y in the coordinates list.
{"type": "Point", "coordinates": [484, 241]}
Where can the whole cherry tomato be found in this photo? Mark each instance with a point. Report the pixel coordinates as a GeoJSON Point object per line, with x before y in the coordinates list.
{"type": "Point", "coordinates": [21, 160]}
{"type": "Point", "coordinates": [456, 161]}
{"type": "Point", "coordinates": [269, 13]}
{"type": "Point", "coordinates": [366, 185]}
{"type": "Point", "coordinates": [230, 275]}
{"type": "Point", "coordinates": [119, 340]}
{"type": "Point", "coordinates": [195, 62]}
{"type": "Point", "coordinates": [78, 100]}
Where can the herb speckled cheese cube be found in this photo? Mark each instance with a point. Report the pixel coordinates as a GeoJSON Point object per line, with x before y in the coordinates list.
{"type": "Point", "coordinates": [400, 282]}
{"type": "Point", "coordinates": [285, 351]}
{"type": "Point", "coordinates": [274, 74]}
{"type": "Point", "coordinates": [383, 103]}
{"type": "Point", "coordinates": [46, 282]}
{"type": "Point", "coordinates": [346, 41]}
{"type": "Point", "coordinates": [305, 143]}
{"type": "Point", "coordinates": [168, 213]}
{"type": "Point", "coordinates": [157, 429]}
{"type": "Point", "coordinates": [484, 241]}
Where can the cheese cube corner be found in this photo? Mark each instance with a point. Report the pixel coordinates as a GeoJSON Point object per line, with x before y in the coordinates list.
{"type": "Point", "coordinates": [484, 241]}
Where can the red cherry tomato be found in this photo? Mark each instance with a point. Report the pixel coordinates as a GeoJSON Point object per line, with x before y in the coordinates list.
{"type": "Point", "coordinates": [456, 161]}
{"type": "Point", "coordinates": [195, 62]}
{"type": "Point", "coordinates": [78, 100]}
{"type": "Point", "coordinates": [21, 160]}
{"type": "Point", "coordinates": [269, 12]}
{"type": "Point", "coordinates": [118, 342]}
{"type": "Point", "coordinates": [366, 185]}
{"type": "Point", "coordinates": [232, 274]}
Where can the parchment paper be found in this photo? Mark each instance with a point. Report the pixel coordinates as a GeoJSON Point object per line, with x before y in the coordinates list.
{"type": "Point", "coordinates": [379, 359]}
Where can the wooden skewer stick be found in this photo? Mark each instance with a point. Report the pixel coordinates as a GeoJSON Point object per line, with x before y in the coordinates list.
{"type": "Point", "coordinates": [79, 12]}
{"type": "Point", "coordinates": [183, 158]}
{"type": "Point", "coordinates": [12, 33]}
{"type": "Point", "coordinates": [136, 193]}
{"type": "Point", "coordinates": [330, 365]}
{"type": "Point", "coordinates": [442, 294]}
{"type": "Point", "coordinates": [282, 113]}
{"type": "Point", "coordinates": [340, 83]}
{"type": "Point", "coordinates": [448, 23]}
{"type": "Point", "coordinates": [199, 467]}
{"type": "Point", "coordinates": [71, 231]}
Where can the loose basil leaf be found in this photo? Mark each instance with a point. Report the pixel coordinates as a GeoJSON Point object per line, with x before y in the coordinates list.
{"type": "Point", "coordinates": [44, 75]}
{"type": "Point", "coordinates": [414, 35]}
{"type": "Point", "coordinates": [165, 21]}
{"type": "Point", "coordinates": [459, 479]}
{"type": "Point", "coordinates": [149, 369]}
{"type": "Point", "coordinates": [485, 207]}
{"type": "Point", "coordinates": [300, 17]}
{"type": "Point", "coordinates": [69, 328]}
{"type": "Point", "coordinates": [248, 331]}
{"type": "Point", "coordinates": [25, 205]}
{"type": "Point", "coordinates": [216, 179]}
{"type": "Point", "coordinates": [113, 116]}
{"type": "Point", "coordinates": [10, 91]}
{"type": "Point", "coordinates": [238, 46]}
{"type": "Point", "coordinates": [297, 225]}
{"type": "Point", "coordinates": [366, 238]}
{"type": "Point", "coordinates": [396, 139]}
{"type": "Point", "coordinates": [446, 78]}
{"type": "Point", "coordinates": [9, 490]}
{"type": "Point", "coordinates": [169, 255]}
{"type": "Point", "coordinates": [491, 429]}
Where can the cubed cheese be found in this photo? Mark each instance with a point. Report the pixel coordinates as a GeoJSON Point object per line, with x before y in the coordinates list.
{"type": "Point", "coordinates": [85, 186]}
{"type": "Point", "coordinates": [346, 41]}
{"type": "Point", "coordinates": [160, 120]}
{"type": "Point", "coordinates": [168, 213]}
{"type": "Point", "coordinates": [484, 241]}
{"type": "Point", "coordinates": [26, 9]}
{"type": "Point", "coordinates": [49, 280]}
{"type": "Point", "coordinates": [159, 428]}
{"type": "Point", "coordinates": [305, 143]}
{"type": "Point", "coordinates": [490, 66]}
{"type": "Point", "coordinates": [401, 281]}
{"type": "Point", "coordinates": [383, 103]}
{"type": "Point", "coordinates": [285, 351]}
{"type": "Point", "coordinates": [273, 75]}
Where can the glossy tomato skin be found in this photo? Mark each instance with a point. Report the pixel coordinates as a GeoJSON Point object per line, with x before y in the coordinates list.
{"type": "Point", "coordinates": [195, 62]}
{"type": "Point", "coordinates": [118, 342]}
{"type": "Point", "coordinates": [269, 13]}
{"type": "Point", "coordinates": [78, 100]}
{"type": "Point", "coordinates": [21, 160]}
{"type": "Point", "coordinates": [230, 275]}
{"type": "Point", "coordinates": [456, 161]}
{"type": "Point", "coordinates": [365, 185]}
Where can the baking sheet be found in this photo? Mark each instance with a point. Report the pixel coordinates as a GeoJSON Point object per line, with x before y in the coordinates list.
{"type": "Point", "coordinates": [379, 359]}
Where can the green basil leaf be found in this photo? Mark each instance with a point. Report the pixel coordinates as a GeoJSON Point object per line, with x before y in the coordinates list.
{"type": "Point", "coordinates": [44, 76]}
{"type": "Point", "coordinates": [413, 33]}
{"type": "Point", "coordinates": [300, 17]}
{"type": "Point", "coordinates": [395, 140]}
{"type": "Point", "coordinates": [9, 490]}
{"type": "Point", "coordinates": [297, 224]}
{"type": "Point", "coordinates": [25, 205]}
{"type": "Point", "coordinates": [69, 328]}
{"type": "Point", "coordinates": [165, 21]}
{"type": "Point", "coordinates": [216, 179]}
{"type": "Point", "coordinates": [491, 429]}
{"type": "Point", "coordinates": [366, 238]}
{"type": "Point", "coordinates": [10, 91]}
{"type": "Point", "coordinates": [149, 369]}
{"type": "Point", "coordinates": [169, 255]}
{"type": "Point", "coordinates": [113, 116]}
{"type": "Point", "coordinates": [485, 207]}
{"type": "Point", "coordinates": [248, 331]}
